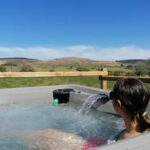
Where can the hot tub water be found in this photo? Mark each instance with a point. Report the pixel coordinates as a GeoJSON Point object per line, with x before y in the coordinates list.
{"type": "Point", "coordinates": [17, 121]}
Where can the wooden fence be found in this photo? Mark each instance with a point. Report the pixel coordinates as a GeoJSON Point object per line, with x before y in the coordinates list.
{"type": "Point", "coordinates": [52, 74]}
{"type": "Point", "coordinates": [104, 79]}
{"type": "Point", "coordinates": [103, 75]}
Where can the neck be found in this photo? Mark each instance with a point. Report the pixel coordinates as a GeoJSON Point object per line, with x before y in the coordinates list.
{"type": "Point", "coordinates": [130, 129]}
{"type": "Point", "coordinates": [130, 125]}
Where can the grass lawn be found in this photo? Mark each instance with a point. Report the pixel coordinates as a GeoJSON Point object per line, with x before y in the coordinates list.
{"type": "Point", "coordinates": [45, 81]}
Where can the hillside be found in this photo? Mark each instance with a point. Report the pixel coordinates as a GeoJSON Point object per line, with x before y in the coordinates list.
{"type": "Point", "coordinates": [75, 61]}
{"type": "Point", "coordinates": [16, 60]}
{"type": "Point", "coordinates": [65, 63]}
{"type": "Point", "coordinates": [131, 61]}
{"type": "Point", "coordinates": [58, 64]}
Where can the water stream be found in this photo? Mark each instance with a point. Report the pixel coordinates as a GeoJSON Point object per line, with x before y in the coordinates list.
{"type": "Point", "coordinates": [93, 101]}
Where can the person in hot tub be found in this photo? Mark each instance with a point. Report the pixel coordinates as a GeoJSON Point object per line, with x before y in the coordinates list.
{"type": "Point", "coordinates": [130, 98]}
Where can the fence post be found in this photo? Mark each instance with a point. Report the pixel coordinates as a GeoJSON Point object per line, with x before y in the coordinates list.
{"type": "Point", "coordinates": [103, 84]}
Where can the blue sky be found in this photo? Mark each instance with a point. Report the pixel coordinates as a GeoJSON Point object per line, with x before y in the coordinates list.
{"type": "Point", "coordinates": [96, 29]}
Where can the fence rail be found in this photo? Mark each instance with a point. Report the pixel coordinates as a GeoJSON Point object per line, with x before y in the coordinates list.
{"type": "Point", "coordinates": [52, 74]}
{"type": "Point", "coordinates": [104, 79]}
{"type": "Point", "coordinates": [103, 75]}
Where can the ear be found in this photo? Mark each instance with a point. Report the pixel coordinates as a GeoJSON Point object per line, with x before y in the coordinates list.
{"type": "Point", "coordinates": [119, 104]}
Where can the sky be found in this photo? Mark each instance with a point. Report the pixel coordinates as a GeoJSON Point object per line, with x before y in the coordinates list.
{"type": "Point", "coordinates": [95, 29]}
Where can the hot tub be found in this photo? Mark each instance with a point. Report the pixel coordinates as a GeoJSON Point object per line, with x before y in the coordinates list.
{"type": "Point", "coordinates": [30, 121]}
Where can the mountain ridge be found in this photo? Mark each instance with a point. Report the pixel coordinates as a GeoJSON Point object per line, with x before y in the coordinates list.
{"type": "Point", "coordinates": [67, 61]}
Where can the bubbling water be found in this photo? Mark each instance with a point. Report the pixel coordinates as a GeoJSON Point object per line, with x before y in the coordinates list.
{"type": "Point", "coordinates": [19, 121]}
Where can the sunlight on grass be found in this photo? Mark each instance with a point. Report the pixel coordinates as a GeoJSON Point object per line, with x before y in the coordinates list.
{"type": "Point", "coordinates": [46, 81]}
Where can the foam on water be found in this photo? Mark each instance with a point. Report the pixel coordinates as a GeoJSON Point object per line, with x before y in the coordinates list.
{"type": "Point", "coordinates": [18, 121]}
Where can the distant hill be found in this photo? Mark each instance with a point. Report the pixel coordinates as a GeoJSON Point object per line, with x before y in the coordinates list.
{"type": "Point", "coordinates": [58, 64]}
{"type": "Point", "coordinates": [17, 60]}
{"type": "Point", "coordinates": [131, 61]}
{"type": "Point", "coordinates": [79, 61]}
{"type": "Point", "coordinates": [65, 63]}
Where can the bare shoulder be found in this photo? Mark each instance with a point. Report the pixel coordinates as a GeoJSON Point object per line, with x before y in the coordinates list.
{"type": "Point", "coordinates": [56, 139]}
{"type": "Point", "coordinates": [126, 135]}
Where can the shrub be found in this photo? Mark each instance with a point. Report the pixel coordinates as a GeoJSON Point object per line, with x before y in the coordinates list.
{"type": "Point", "coordinates": [142, 68]}
{"type": "Point", "coordinates": [129, 66]}
{"type": "Point", "coordinates": [2, 68]}
{"type": "Point", "coordinates": [10, 64]}
{"type": "Point", "coordinates": [27, 68]}
{"type": "Point", "coordinates": [51, 69]}
{"type": "Point", "coordinates": [82, 68]}
{"type": "Point", "coordinates": [117, 73]}
{"type": "Point", "coordinates": [122, 65]}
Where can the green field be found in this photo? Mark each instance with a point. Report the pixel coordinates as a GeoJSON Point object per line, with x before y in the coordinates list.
{"type": "Point", "coordinates": [46, 81]}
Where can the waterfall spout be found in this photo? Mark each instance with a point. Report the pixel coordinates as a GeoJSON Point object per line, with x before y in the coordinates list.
{"type": "Point", "coordinates": [94, 101]}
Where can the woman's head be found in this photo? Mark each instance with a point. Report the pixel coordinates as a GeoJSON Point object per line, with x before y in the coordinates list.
{"type": "Point", "coordinates": [133, 96]}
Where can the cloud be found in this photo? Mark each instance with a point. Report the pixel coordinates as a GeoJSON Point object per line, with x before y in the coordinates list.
{"type": "Point", "coordinates": [79, 48]}
{"type": "Point", "coordinates": [86, 51]}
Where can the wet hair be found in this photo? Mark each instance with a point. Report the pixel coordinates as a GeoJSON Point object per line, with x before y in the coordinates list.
{"type": "Point", "coordinates": [134, 96]}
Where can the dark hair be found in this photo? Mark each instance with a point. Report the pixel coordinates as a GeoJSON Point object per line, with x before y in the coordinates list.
{"type": "Point", "coordinates": [134, 96]}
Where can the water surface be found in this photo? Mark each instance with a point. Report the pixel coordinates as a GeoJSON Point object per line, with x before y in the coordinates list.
{"type": "Point", "coordinates": [19, 121]}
